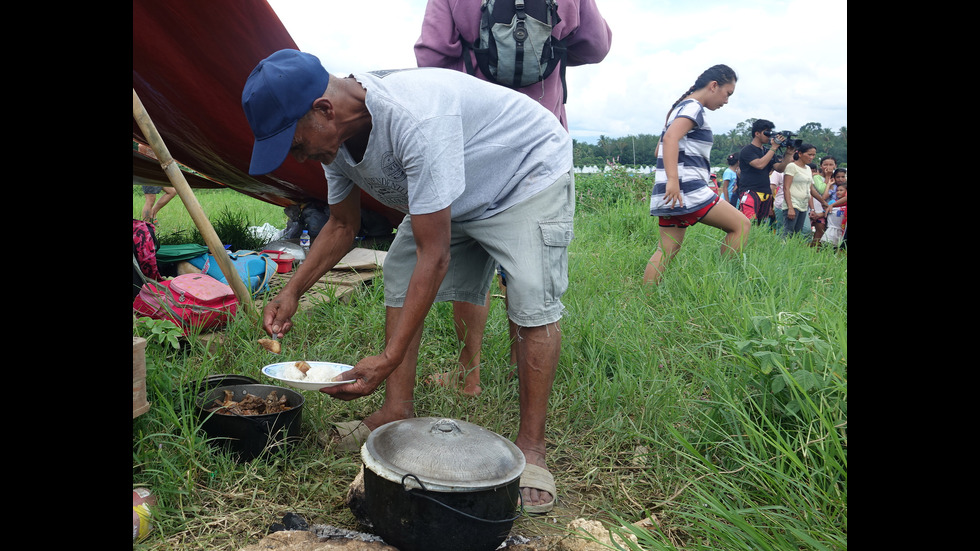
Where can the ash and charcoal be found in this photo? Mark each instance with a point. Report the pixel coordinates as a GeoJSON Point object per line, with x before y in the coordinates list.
{"type": "Point", "coordinates": [292, 521]}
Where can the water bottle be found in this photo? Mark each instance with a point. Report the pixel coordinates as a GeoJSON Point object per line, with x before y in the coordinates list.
{"type": "Point", "coordinates": [304, 243]}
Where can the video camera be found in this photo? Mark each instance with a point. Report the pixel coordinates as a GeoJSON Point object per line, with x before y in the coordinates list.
{"type": "Point", "coordinates": [795, 143]}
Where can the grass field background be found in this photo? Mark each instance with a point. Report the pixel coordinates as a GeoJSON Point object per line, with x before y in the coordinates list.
{"type": "Point", "coordinates": [715, 403]}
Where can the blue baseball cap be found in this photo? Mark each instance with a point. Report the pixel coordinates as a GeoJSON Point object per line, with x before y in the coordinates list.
{"type": "Point", "coordinates": [278, 92]}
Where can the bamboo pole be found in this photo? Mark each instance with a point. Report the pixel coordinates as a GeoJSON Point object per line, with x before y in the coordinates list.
{"type": "Point", "coordinates": [191, 204]}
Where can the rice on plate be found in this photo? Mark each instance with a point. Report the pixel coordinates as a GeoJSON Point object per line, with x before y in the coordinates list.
{"type": "Point", "coordinates": [318, 373]}
{"type": "Point", "coordinates": [307, 375]}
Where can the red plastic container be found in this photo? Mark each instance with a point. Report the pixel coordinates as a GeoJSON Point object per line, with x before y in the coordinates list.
{"type": "Point", "coordinates": [284, 260]}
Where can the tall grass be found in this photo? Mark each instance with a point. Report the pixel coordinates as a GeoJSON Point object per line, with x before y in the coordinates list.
{"type": "Point", "coordinates": [230, 213]}
{"type": "Point", "coordinates": [715, 402]}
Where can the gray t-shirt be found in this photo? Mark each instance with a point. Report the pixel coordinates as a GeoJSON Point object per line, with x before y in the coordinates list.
{"type": "Point", "coordinates": [440, 137]}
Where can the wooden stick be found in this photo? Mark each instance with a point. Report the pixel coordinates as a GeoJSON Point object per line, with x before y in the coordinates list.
{"type": "Point", "coordinates": [191, 204]}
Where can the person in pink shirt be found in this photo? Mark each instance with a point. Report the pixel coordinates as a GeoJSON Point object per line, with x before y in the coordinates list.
{"type": "Point", "coordinates": [447, 24]}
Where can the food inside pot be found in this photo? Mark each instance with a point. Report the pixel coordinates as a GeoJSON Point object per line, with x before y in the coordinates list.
{"type": "Point", "coordinates": [250, 404]}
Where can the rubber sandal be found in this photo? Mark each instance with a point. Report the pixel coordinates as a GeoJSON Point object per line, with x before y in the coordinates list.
{"type": "Point", "coordinates": [540, 479]}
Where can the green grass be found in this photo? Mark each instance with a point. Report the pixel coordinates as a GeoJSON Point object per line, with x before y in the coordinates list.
{"type": "Point", "coordinates": [715, 402]}
{"type": "Point", "coordinates": [229, 212]}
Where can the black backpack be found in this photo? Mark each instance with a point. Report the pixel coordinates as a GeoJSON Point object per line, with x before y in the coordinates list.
{"type": "Point", "coordinates": [515, 47]}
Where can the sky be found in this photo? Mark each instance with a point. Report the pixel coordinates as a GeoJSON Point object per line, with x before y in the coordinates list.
{"type": "Point", "coordinates": [790, 57]}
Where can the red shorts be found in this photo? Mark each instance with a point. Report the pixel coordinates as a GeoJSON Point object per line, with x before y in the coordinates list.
{"type": "Point", "coordinates": [686, 220]}
{"type": "Point", "coordinates": [755, 205]}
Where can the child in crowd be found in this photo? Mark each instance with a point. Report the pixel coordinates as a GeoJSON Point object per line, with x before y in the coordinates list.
{"type": "Point", "coordinates": [730, 181]}
{"type": "Point", "coordinates": [840, 177]}
{"type": "Point", "coordinates": [836, 217]}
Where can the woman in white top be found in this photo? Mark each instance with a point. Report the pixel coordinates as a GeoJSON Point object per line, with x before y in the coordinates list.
{"type": "Point", "coordinates": [797, 180]}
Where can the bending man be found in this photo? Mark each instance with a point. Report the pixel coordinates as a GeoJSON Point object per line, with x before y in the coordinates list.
{"type": "Point", "coordinates": [478, 189]}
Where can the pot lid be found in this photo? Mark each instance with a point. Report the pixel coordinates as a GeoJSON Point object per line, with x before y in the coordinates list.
{"type": "Point", "coordinates": [445, 455]}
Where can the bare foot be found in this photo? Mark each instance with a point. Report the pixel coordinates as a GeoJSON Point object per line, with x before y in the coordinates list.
{"type": "Point", "coordinates": [355, 432]}
{"type": "Point", "coordinates": [383, 416]}
{"type": "Point", "coordinates": [452, 380]}
{"type": "Point", "coordinates": [534, 496]}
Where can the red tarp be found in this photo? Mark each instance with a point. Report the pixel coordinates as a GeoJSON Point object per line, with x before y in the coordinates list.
{"type": "Point", "coordinates": [190, 61]}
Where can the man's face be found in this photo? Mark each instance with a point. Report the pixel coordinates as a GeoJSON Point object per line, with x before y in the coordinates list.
{"type": "Point", "coordinates": [315, 138]}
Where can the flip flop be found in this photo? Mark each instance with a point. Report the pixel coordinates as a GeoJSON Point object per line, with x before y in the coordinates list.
{"type": "Point", "coordinates": [349, 435]}
{"type": "Point", "coordinates": [540, 479]}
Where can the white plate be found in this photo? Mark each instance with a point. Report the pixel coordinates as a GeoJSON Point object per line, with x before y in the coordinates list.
{"type": "Point", "coordinates": [275, 371]}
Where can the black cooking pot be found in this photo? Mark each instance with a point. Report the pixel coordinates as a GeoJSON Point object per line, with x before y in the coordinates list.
{"type": "Point", "coordinates": [248, 436]}
{"type": "Point", "coordinates": [440, 485]}
{"type": "Point", "coordinates": [222, 379]}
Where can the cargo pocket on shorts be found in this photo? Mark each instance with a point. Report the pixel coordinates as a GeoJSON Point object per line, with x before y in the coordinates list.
{"type": "Point", "coordinates": [556, 236]}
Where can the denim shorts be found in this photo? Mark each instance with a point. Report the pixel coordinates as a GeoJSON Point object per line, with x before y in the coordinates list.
{"type": "Point", "coordinates": [794, 226]}
{"type": "Point", "coordinates": [529, 241]}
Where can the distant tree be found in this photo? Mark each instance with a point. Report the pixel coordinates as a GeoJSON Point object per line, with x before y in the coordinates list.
{"type": "Point", "coordinates": [607, 148]}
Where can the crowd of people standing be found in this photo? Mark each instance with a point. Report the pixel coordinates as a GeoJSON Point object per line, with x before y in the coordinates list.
{"type": "Point", "coordinates": [785, 189]}
{"type": "Point", "coordinates": [771, 181]}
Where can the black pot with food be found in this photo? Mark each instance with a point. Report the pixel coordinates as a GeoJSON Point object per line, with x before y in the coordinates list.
{"type": "Point", "coordinates": [251, 419]}
{"type": "Point", "coordinates": [440, 485]}
{"type": "Point", "coordinates": [190, 394]}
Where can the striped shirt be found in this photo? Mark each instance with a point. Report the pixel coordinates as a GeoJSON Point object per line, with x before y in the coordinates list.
{"type": "Point", "coordinates": [693, 164]}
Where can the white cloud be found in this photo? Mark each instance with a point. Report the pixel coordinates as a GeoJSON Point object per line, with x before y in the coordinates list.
{"type": "Point", "coordinates": [659, 48]}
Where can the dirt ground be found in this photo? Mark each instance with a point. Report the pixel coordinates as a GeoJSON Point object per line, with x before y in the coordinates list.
{"type": "Point", "coordinates": [594, 537]}
{"type": "Point", "coordinates": [553, 532]}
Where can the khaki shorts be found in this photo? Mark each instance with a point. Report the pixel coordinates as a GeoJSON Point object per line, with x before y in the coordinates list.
{"type": "Point", "coordinates": [529, 241]}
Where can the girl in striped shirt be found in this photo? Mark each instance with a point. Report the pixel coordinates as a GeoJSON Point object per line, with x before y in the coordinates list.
{"type": "Point", "coordinates": [681, 194]}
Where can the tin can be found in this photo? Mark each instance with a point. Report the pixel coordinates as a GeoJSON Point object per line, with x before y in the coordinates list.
{"type": "Point", "coordinates": [142, 500]}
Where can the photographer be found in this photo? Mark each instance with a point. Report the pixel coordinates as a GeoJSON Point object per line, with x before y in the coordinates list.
{"type": "Point", "coordinates": [755, 164]}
